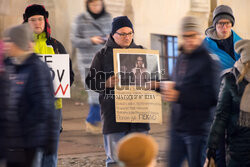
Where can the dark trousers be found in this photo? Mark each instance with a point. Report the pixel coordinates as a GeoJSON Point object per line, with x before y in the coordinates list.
{"type": "Point", "coordinates": [24, 157]}
{"type": "Point", "coordinates": [184, 146]}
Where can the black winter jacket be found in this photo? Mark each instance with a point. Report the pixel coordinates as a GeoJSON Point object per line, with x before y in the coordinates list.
{"type": "Point", "coordinates": [4, 87]}
{"type": "Point", "coordinates": [195, 80]}
{"type": "Point", "coordinates": [101, 69]}
{"type": "Point", "coordinates": [31, 118]}
{"type": "Point", "coordinates": [226, 119]}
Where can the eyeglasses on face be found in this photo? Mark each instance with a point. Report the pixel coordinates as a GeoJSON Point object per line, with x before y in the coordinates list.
{"type": "Point", "coordinates": [222, 24]}
{"type": "Point", "coordinates": [130, 34]}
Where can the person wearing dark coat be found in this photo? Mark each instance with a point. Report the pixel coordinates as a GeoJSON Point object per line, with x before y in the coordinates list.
{"type": "Point", "coordinates": [4, 87]}
{"type": "Point", "coordinates": [101, 79]}
{"type": "Point", "coordinates": [31, 124]}
{"type": "Point", "coordinates": [193, 95]}
{"type": "Point", "coordinates": [233, 111]}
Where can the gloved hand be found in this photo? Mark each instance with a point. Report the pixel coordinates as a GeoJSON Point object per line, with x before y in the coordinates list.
{"type": "Point", "coordinates": [211, 153]}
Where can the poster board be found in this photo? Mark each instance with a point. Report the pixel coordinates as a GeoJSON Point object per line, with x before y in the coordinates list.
{"type": "Point", "coordinates": [60, 73]}
{"type": "Point", "coordinates": [134, 101]}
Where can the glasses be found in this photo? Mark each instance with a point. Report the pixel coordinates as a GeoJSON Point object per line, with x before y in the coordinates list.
{"type": "Point", "coordinates": [222, 24]}
{"type": "Point", "coordinates": [130, 34]}
{"type": "Point", "coordinates": [35, 19]}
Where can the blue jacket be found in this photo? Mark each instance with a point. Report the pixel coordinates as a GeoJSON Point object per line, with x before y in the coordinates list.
{"type": "Point", "coordinates": [31, 117]}
{"type": "Point", "coordinates": [226, 60]}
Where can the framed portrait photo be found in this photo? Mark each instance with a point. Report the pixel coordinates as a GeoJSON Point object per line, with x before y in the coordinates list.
{"type": "Point", "coordinates": [136, 67]}
{"type": "Point", "coordinates": [135, 101]}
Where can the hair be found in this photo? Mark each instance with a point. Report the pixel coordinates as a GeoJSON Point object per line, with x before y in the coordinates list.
{"type": "Point", "coordinates": [244, 71]}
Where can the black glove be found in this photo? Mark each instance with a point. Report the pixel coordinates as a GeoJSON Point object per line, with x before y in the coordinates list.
{"type": "Point", "coordinates": [211, 153]}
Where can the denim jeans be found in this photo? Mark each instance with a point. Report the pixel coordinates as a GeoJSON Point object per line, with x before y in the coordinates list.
{"type": "Point", "coordinates": [94, 115]}
{"type": "Point", "coordinates": [182, 146]}
{"type": "Point", "coordinates": [50, 160]}
{"type": "Point", "coordinates": [110, 143]}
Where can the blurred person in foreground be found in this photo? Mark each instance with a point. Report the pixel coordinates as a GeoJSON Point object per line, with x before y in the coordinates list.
{"type": "Point", "coordinates": [137, 150]}
{"type": "Point", "coordinates": [233, 111]}
{"type": "Point", "coordinates": [192, 95]}
{"type": "Point", "coordinates": [37, 17]}
{"type": "Point", "coordinates": [3, 104]}
{"type": "Point", "coordinates": [89, 33]}
{"type": "Point", "coordinates": [31, 123]}
{"type": "Point", "coordinates": [220, 40]}
{"type": "Point", "coordinates": [101, 78]}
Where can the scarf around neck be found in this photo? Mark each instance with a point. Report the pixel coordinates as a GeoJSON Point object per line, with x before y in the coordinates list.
{"type": "Point", "coordinates": [244, 117]}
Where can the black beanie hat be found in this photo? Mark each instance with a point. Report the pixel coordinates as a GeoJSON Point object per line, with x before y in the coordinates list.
{"type": "Point", "coordinates": [36, 9]}
{"type": "Point", "coordinates": [120, 22]}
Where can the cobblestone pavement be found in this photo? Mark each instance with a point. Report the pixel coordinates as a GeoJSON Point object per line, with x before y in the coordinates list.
{"type": "Point", "coordinates": [78, 148]}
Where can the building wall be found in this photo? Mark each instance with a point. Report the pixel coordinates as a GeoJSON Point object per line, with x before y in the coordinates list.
{"type": "Point", "coordinates": [162, 17]}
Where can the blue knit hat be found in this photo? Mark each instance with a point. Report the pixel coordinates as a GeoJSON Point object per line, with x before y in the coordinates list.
{"type": "Point", "coordinates": [120, 22]}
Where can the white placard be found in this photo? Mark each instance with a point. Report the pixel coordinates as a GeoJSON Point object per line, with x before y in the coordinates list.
{"type": "Point", "coordinates": [60, 72]}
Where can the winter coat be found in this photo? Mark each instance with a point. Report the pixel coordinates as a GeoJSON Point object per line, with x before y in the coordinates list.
{"type": "Point", "coordinates": [31, 117]}
{"type": "Point", "coordinates": [226, 119]}
{"type": "Point", "coordinates": [4, 87]}
{"type": "Point", "coordinates": [101, 69]}
{"type": "Point", "coordinates": [226, 60]}
{"type": "Point", "coordinates": [195, 80]}
{"type": "Point", "coordinates": [85, 27]}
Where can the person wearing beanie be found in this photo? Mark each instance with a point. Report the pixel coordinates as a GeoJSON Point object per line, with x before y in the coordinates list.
{"type": "Point", "coordinates": [137, 150]}
{"type": "Point", "coordinates": [101, 79]}
{"type": "Point", "coordinates": [192, 95]}
{"type": "Point", "coordinates": [233, 111]}
{"type": "Point", "coordinates": [220, 40]}
{"type": "Point", "coordinates": [37, 17]}
{"type": "Point", "coordinates": [89, 33]}
{"type": "Point", "coordinates": [31, 124]}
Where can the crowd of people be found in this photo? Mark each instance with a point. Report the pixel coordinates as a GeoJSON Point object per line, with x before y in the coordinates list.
{"type": "Point", "coordinates": [209, 92]}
